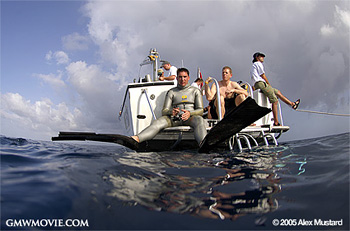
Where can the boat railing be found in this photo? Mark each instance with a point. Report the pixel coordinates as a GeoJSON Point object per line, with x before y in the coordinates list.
{"type": "Point", "coordinates": [249, 88]}
{"type": "Point", "coordinates": [149, 103]}
{"type": "Point", "coordinates": [218, 98]}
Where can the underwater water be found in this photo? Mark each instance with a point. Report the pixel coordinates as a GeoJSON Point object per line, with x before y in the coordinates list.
{"type": "Point", "coordinates": [90, 186]}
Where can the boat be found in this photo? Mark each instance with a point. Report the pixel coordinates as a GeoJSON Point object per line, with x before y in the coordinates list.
{"type": "Point", "coordinates": [143, 102]}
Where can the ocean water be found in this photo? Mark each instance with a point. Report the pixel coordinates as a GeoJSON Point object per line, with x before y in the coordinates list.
{"type": "Point", "coordinates": [300, 185]}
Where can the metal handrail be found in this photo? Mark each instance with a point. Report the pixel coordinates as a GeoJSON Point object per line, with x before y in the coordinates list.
{"type": "Point", "coordinates": [280, 112]}
{"type": "Point", "coordinates": [218, 98]}
{"type": "Point", "coordinates": [149, 103]}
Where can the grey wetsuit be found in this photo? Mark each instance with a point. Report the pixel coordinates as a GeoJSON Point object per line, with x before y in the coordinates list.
{"type": "Point", "coordinates": [188, 98]}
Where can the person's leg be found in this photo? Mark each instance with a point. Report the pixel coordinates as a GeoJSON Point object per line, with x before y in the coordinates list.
{"type": "Point", "coordinates": [271, 95]}
{"type": "Point", "coordinates": [198, 125]}
{"type": "Point", "coordinates": [239, 99]}
{"type": "Point", "coordinates": [275, 113]}
{"type": "Point", "coordinates": [283, 98]}
{"type": "Point", "coordinates": [209, 114]}
{"type": "Point", "coordinates": [222, 102]}
{"type": "Point", "coordinates": [152, 130]}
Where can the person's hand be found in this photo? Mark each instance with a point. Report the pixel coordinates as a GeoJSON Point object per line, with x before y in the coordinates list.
{"type": "Point", "coordinates": [161, 78]}
{"type": "Point", "coordinates": [208, 80]}
{"type": "Point", "coordinates": [186, 115]}
{"type": "Point", "coordinates": [176, 111]}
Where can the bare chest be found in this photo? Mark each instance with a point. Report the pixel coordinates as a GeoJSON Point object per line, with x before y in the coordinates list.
{"type": "Point", "coordinates": [224, 88]}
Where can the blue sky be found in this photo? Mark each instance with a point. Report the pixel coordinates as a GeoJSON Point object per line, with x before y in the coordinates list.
{"type": "Point", "coordinates": [65, 64]}
{"type": "Point", "coordinates": [29, 29]}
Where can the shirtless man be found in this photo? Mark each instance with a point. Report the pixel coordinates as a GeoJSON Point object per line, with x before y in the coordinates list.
{"type": "Point", "coordinates": [229, 91]}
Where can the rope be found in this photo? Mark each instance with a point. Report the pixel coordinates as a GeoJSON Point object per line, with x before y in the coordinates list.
{"type": "Point", "coordinates": [324, 113]}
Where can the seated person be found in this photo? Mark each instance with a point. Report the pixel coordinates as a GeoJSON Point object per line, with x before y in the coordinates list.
{"type": "Point", "coordinates": [261, 82]}
{"type": "Point", "coordinates": [172, 72]}
{"type": "Point", "coordinates": [198, 83]}
{"type": "Point", "coordinates": [231, 93]}
{"type": "Point", "coordinates": [183, 105]}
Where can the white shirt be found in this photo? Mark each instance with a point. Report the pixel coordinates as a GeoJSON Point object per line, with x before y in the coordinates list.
{"type": "Point", "coordinates": [256, 72]}
{"type": "Point", "coordinates": [194, 84]}
{"type": "Point", "coordinates": [173, 71]}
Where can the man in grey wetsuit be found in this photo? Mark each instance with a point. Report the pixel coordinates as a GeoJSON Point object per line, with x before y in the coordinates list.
{"type": "Point", "coordinates": [183, 105]}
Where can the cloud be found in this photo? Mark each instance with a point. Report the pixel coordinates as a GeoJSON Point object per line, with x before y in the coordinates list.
{"type": "Point", "coordinates": [326, 77]}
{"type": "Point", "coordinates": [60, 57]}
{"type": "Point", "coordinates": [340, 24]}
{"type": "Point", "coordinates": [327, 30]}
{"type": "Point", "coordinates": [75, 41]}
{"type": "Point", "coordinates": [41, 115]}
{"type": "Point", "coordinates": [307, 56]}
{"type": "Point", "coordinates": [342, 17]}
{"type": "Point", "coordinates": [93, 104]}
{"type": "Point", "coordinates": [98, 93]}
{"type": "Point", "coordinates": [53, 80]}
{"type": "Point", "coordinates": [211, 34]}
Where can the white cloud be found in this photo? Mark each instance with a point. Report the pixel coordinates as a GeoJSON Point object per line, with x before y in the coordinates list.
{"type": "Point", "coordinates": [93, 107]}
{"type": "Point", "coordinates": [48, 56]}
{"type": "Point", "coordinates": [306, 45]}
{"type": "Point", "coordinates": [60, 57]}
{"type": "Point", "coordinates": [98, 93]}
{"type": "Point", "coordinates": [75, 41]}
{"type": "Point", "coordinates": [342, 16]}
{"type": "Point", "coordinates": [340, 24]}
{"type": "Point", "coordinates": [211, 34]}
{"type": "Point", "coordinates": [327, 30]}
{"type": "Point", "coordinates": [53, 80]}
{"type": "Point", "coordinates": [41, 116]}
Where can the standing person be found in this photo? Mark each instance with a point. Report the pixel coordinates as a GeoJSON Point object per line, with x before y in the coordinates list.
{"type": "Point", "coordinates": [231, 93]}
{"type": "Point", "coordinates": [260, 81]}
{"type": "Point", "coordinates": [172, 72]}
{"type": "Point", "coordinates": [183, 105]}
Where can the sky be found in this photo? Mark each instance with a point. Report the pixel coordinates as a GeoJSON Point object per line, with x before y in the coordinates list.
{"type": "Point", "coordinates": [65, 64]}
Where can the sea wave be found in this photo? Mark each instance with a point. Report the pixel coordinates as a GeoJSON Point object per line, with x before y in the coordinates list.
{"type": "Point", "coordinates": [115, 188]}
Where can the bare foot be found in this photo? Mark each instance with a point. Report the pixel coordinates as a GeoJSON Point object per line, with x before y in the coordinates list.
{"type": "Point", "coordinates": [136, 138]}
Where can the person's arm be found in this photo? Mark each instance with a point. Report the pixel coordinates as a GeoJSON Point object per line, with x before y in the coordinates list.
{"type": "Point", "coordinates": [265, 78]}
{"type": "Point", "coordinates": [171, 77]}
{"type": "Point", "coordinates": [198, 104]}
{"type": "Point", "coordinates": [237, 89]}
{"type": "Point", "coordinates": [172, 73]}
{"type": "Point", "coordinates": [209, 92]}
{"type": "Point", "coordinates": [161, 78]}
{"type": "Point", "coordinates": [261, 71]}
{"type": "Point", "coordinates": [167, 108]}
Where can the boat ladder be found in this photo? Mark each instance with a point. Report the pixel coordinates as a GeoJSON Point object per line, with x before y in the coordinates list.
{"type": "Point", "coordinates": [248, 139]}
